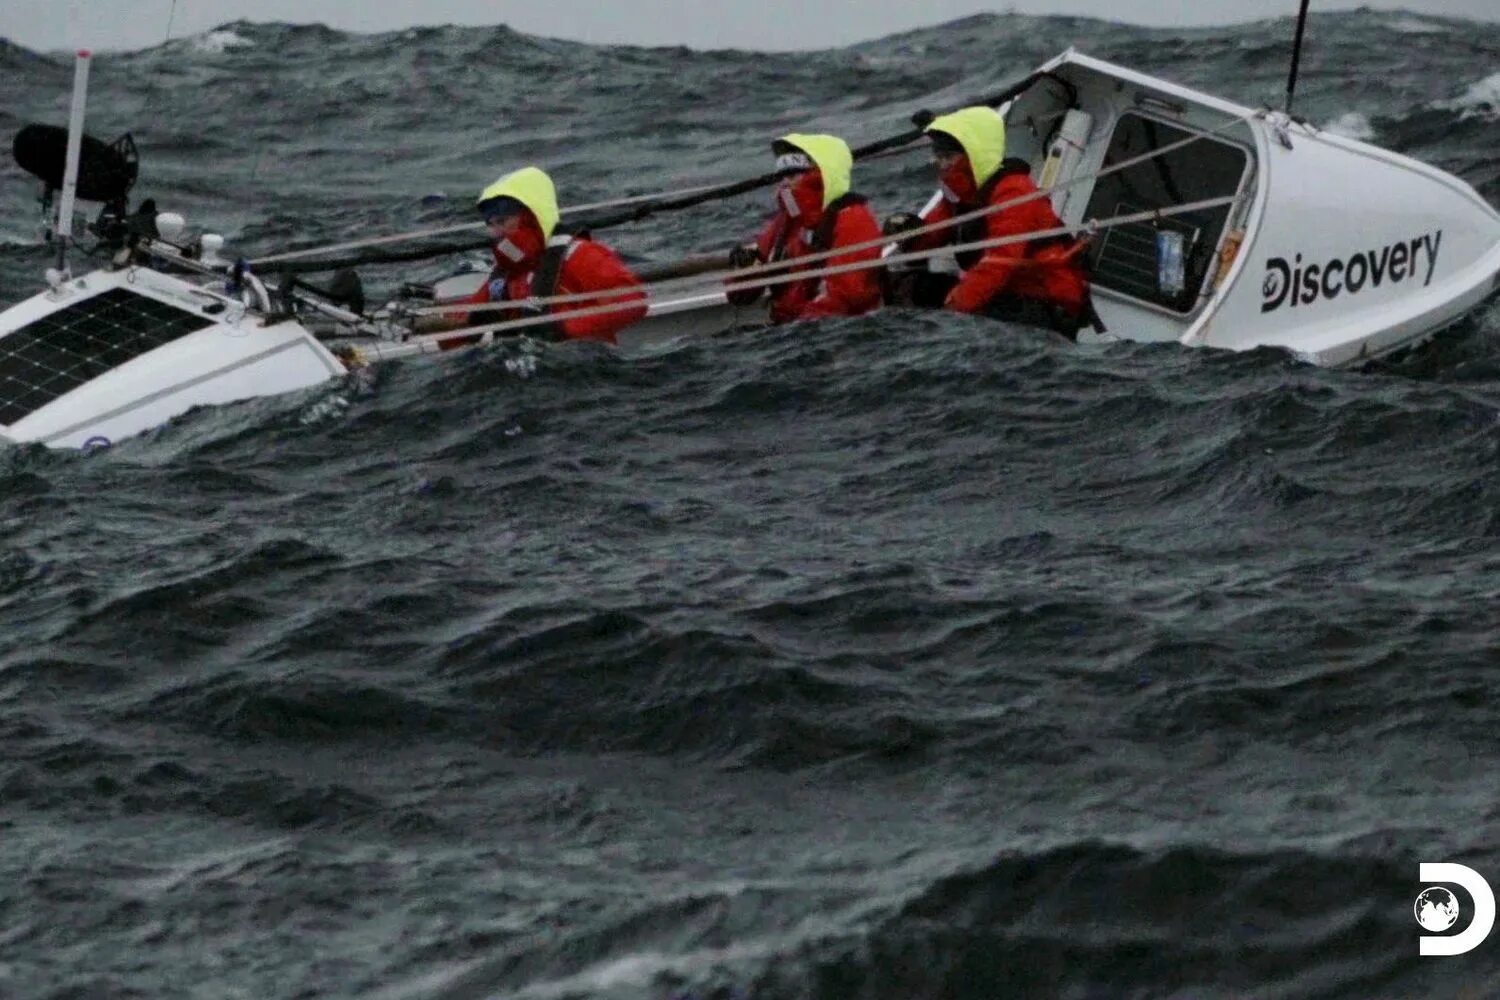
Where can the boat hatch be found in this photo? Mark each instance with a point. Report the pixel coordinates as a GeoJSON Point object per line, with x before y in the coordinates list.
{"type": "Point", "coordinates": [50, 357]}
{"type": "Point", "coordinates": [1125, 256]}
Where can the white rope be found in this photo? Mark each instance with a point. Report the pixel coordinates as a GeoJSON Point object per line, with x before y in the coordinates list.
{"type": "Point", "coordinates": [800, 263]}
{"type": "Point", "coordinates": [637, 299]}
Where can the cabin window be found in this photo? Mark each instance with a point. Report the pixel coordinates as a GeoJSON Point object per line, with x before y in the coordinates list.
{"type": "Point", "coordinates": [1124, 257]}
{"type": "Point", "coordinates": [50, 357]}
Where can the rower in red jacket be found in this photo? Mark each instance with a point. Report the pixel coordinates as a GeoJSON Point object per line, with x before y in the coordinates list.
{"type": "Point", "coordinates": [1040, 280]}
{"type": "Point", "coordinates": [815, 212]}
{"type": "Point", "coordinates": [521, 212]}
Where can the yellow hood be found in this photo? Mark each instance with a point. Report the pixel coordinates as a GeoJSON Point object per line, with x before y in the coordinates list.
{"type": "Point", "coordinates": [981, 132]}
{"type": "Point", "coordinates": [532, 188]}
{"type": "Point", "coordinates": [833, 158]}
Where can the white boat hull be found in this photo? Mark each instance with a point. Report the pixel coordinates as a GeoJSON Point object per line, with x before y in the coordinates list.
{"type": "Point", "coordinates": [221, 353]}
{"type": "Point", "coordinates": [1346, 252]}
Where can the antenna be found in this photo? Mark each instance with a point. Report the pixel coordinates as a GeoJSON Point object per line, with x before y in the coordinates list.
{"type": "Point", "coordinates": [1291, 81]}
{"type": "Point", "coordinates": [70, 171]}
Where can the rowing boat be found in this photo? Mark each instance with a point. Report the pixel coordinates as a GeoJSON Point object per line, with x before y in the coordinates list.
{"type": "Point", "coordinates": [1211, 224]}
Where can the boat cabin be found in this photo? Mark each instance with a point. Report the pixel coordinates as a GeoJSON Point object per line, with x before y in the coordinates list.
{"type": "Point", "coordinates": [1336, 249]}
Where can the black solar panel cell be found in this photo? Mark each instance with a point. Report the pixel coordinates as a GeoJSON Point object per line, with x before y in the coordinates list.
{"type": "Point", "coordinates": [66, 349]}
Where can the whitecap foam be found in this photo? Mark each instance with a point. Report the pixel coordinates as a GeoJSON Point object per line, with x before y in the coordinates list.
{"type": "Point", "coordinates": [220, 41]}
{"type": "Point", "coordinates": [1352, 125]}
{"type": "Point", "coordinates": [1482, 99]}
{"type": "Point", "coordinates": [1415, 26]}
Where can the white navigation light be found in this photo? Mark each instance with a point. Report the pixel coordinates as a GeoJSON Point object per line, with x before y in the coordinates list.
{"type": "Point", "coordinates": [211, 244]}
{"type": "Point", "coordinates": [169, 226]}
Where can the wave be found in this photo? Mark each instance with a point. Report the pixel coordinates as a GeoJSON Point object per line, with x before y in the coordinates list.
{"type": "Point", "coordinates": [17, 57]}
{"type": "Point", "coordinates": [219, 41]}
{"type": "Point", "coordinates": [298, 709]}
{"type": "Point", "coordinates": [1419, 26]}
{"type": "Point", "coordinates": [1102, 919]}
{"type": "Point", "coordinates": [1041, 32]}
{"type": "Point", "coordinates": [1088, 918]}
{"type": "Point", "coordinates": [478, 671]}
{"type": "Point", "coordinates": [1352, 125]}
{"type": "Point", "coordinates": [1481, 100]}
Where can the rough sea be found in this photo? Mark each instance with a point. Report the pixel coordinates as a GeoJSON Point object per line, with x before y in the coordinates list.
{"type": "Point", "coordinates": [911, 656]}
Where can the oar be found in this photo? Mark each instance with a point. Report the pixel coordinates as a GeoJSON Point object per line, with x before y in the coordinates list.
{"type": "Point", "coordinates": [654, 205]}
{"type": "Point", "coordinates": [921, 120]}
{"type": "Point", "coordinates": [688, 267]}
{"type": "Point", "coordinates": [419, 234]}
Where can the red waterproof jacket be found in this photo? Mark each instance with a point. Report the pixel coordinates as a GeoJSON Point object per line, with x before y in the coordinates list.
{"type": "Point", "coordinates": [846, 221]}
{"type": "Point", "coordinates": [1048, 270]}
{"type": "Point", "coordinates": [586, 266]}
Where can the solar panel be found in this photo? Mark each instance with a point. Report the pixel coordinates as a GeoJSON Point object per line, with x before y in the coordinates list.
{"type": "Point", "coordinates": [56, 354]}
{"type": "Point", "coordinates": [1125, 259]}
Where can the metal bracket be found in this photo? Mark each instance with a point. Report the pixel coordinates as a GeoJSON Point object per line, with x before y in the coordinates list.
{"type": "Point", "coordinates": [1280, 125]}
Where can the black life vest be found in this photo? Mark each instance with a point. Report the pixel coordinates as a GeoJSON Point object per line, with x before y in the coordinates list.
{"type": "Point", "coordinates": [821, 238]}
{"type": "Point", "coordinates": [544, 281]}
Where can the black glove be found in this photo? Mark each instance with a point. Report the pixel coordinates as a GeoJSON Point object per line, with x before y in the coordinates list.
{"type": "Point", "coordinates": [900, 223]}
{"type": "Point", "coordinates": [743, 256]}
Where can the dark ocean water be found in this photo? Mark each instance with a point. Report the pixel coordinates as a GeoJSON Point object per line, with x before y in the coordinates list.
{"type": "Point", "coordinates": [904, 657]}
